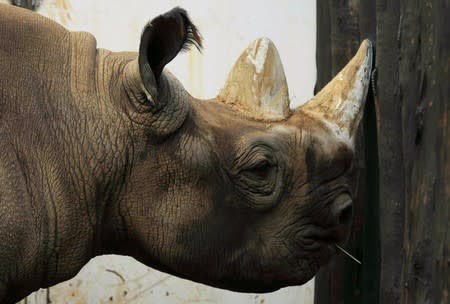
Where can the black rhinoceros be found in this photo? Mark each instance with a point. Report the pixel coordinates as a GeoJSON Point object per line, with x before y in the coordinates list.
{"type": "Point", "coordinates": [105, 152]}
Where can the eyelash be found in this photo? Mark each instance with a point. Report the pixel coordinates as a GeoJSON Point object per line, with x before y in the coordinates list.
{"type": "Point", "coordinates": [254, 159]}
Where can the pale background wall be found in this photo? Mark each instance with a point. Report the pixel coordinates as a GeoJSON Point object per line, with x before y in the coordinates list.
{"type": "Point", "coordinates": [227, 27]}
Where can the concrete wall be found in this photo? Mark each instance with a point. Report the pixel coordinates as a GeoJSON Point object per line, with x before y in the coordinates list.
{"type": "Point", "coordinates": [227, 27]}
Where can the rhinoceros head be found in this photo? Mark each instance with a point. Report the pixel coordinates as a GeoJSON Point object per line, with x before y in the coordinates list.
{"type": "Point", "coordinates": [240, 191]}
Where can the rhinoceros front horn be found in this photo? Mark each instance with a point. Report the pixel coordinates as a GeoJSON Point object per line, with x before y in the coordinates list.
{"type": "Point", "coordinates": [340, 103]}
{"type": "Point", "coordinates": [256, 85]}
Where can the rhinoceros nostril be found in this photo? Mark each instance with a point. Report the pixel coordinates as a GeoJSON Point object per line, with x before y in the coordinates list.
{"type": "Point", "coordinates": [342, 209]}
{"type": "Point", "coordinates": [346, 213]}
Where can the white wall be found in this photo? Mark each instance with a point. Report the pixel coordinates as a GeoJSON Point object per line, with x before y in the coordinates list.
{"type": "Point", "coordinates": [227, 27]}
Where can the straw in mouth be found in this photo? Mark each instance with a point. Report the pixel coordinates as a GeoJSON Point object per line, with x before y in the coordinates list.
{"type": "Point", "coordinates": [348, 254]}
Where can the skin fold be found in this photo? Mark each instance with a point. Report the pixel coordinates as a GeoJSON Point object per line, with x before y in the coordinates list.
{"type": "Point", "coordinates": [106, 153]}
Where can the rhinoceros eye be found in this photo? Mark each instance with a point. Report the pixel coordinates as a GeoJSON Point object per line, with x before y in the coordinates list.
{"type": "Point", "coordinates": [257, 178]}
{"type": "Point", "coordinates": [260, 171]}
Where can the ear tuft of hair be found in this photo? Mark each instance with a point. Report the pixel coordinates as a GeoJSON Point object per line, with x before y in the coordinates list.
{"type": "Point", "coordinates": [193, 36]}
{"type": "Point", "coordinates": [164, 37]}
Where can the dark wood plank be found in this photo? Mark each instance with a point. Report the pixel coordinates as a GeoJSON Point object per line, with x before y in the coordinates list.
{"type": "Point", "coordinates": [323, 62]}
{"type": "Point", "coordinates": [405, 239]}
{"type": "Point", "coordinates": [371, 231]}
{"type": "Point", "coordinates": [323, 42]}
{"type": "Point", "coordinates": [424, 70]}
{"type": "Point", "coordinates": [390, 156]}
{"type": "Point", "coordinates": [337, 41]}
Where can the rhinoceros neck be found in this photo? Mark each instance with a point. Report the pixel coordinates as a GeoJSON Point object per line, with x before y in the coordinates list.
{"type": "Point", "coordinates": [74, 148]}
{"type": "Point", "coordinates": [94, 136]}
{"type": "Point", "coordinates": [64, 144]}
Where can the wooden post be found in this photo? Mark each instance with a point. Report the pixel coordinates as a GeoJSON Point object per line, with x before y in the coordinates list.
{"type": "Point", "coordinates": [402, 226]}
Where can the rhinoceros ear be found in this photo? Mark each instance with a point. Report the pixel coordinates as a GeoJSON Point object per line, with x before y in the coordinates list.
{"type": "Point", "coordinates": [162, 39]}
{"type": "Point", "coordinates": [158, 99]}
{"type": "Point", "coordinates": [256, 85]}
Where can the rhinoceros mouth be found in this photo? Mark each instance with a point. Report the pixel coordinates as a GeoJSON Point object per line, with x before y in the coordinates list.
{"type": "Point", "coordinates": [313, 247]}
{"type": "Point", "coordinates": [317, 235]}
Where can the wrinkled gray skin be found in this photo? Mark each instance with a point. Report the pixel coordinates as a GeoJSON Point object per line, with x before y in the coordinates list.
{"type": "Point", "coordinates": [92, 164]}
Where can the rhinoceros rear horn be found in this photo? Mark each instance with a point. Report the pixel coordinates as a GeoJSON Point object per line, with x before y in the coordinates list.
{"type": "Point", "coordinates": [340, 104]}
{"type": "Point", "coordinates": [160, 96]}
{"type": "Point", "coordinates": [256, 85]}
